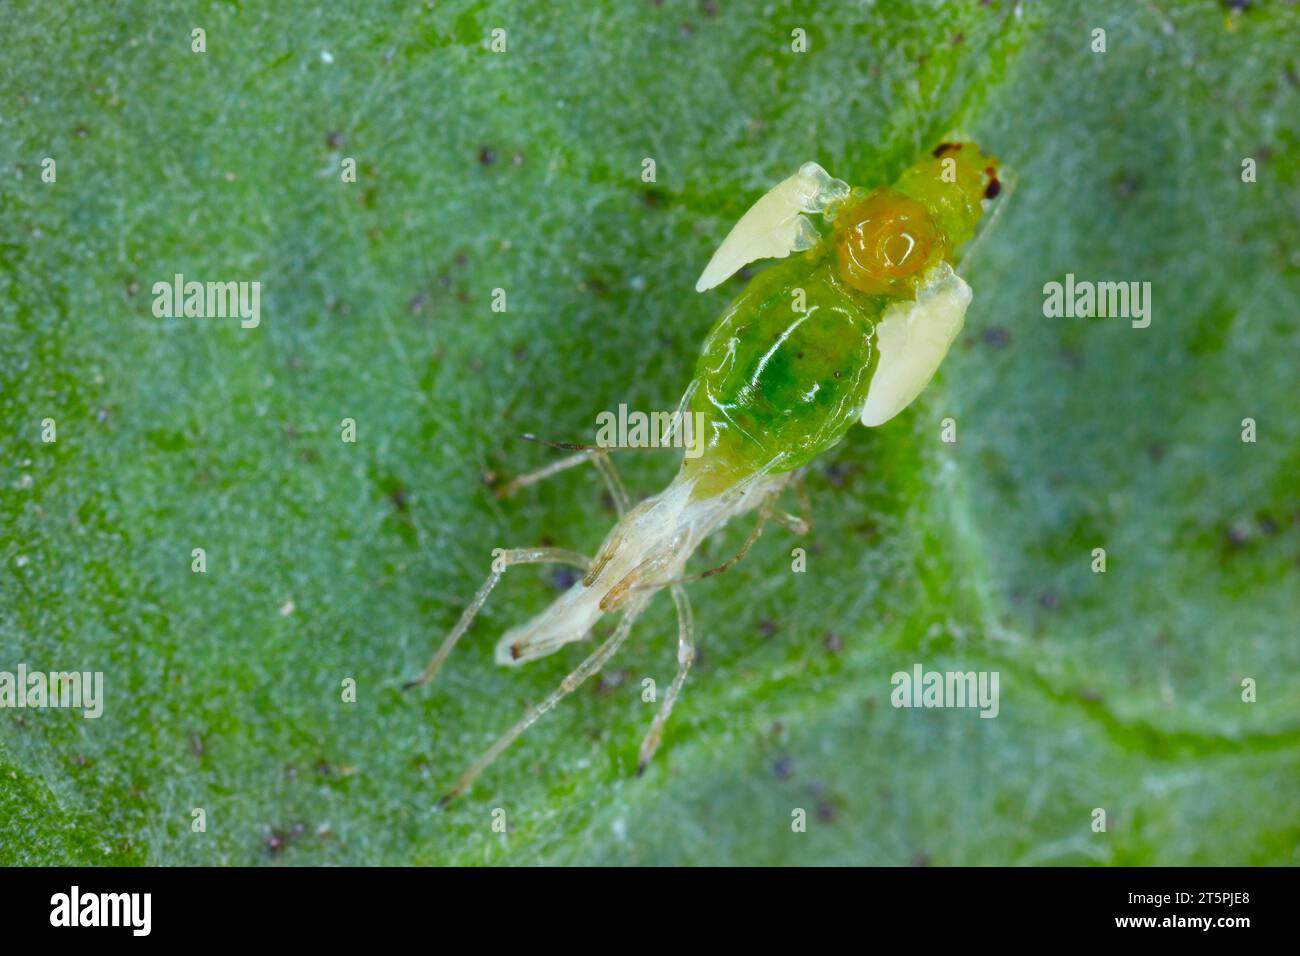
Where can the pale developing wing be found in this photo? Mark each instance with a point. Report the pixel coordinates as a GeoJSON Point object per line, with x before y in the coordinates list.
{"type": "Point", "coordinates": [913, 338]}
{"type": "Point", "coordinates": [776, 225]}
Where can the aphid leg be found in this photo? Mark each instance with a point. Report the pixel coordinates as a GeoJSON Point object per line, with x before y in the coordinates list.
{"type": "Point", "coordinates": [502, 561]}
{"type": "Point", "coordinates": [685, 657]}
{"type": "Point", "coordinates": [801, 523]}
{"type": "Point", "coordinates": [567, 686]}
{"type": "Point", "coordinates": [597, 456]}
{"type": "Point", "coordinates": [764, 515]}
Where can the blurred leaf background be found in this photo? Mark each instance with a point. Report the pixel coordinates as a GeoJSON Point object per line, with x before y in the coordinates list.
{"type": "Point", "coordinates": [521, 171]}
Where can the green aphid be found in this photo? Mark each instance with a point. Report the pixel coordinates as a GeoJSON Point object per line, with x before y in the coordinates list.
{"type": "Point", "coordinates": [850, 327]}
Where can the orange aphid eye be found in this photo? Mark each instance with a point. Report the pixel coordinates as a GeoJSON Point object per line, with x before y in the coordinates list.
{"type": "Point", "coordinates": [886, 242]}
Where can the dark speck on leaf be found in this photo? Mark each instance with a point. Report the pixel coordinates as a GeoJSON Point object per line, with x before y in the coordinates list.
{"type": "Point", "coordinates": [920, 858]}
{"type": "Point", "coordinates": [709, 8]}
{"type": "Point", "coordinates": [1049, 601]}
{"type": "Point", "coordinates": [686, 29]}
{"type": "Point", "coordinates": [418, 302]}
{"type": "Point", "coordinates": [834, 643]}
{"type": "Point", "coordinates": [992, 189]}
{"type": "Point", "coordinates": [767, 627]}
{"type": "Point", "coordinates": [826, 811]}
{"type": "Point", "coordinates": [334, 139]}
{"type": "Point", "coordinates": [1237, 6]}
{"type": "Point", "coordinates": [196, 745]}
{"type": "Point", "coordinates": [398, 497]}
{"type": "Point", "coordinates": [1156, 450]}
{"type": "Point", "coordinates": [1240, 534]}
{"type": "Point", "coordinates": [275, 842]}
{"type": "Point", "coordinates": [82, 132]}
{"type": "Point", "coordinates": [487, 156]}
{"type": "Point", "coordinates": [1126, 184]}
{"type": "Point", "coordinates": [563, 578]}
{"type": "Point", "coordinates": [653, 198]}
{"type": "Point", "coordinates": [997, 337]}
{"type": "Point", "coordinates": [461, 259]}
{"type": "Point", "coordinates": [783, 768]}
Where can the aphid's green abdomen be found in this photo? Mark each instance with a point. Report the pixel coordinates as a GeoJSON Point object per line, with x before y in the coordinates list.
{"type": "Point", "coordinates": [776, 383]}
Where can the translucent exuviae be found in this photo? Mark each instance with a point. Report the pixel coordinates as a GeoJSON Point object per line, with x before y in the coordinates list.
{"type": "Point", "coordinates": [881, 305]}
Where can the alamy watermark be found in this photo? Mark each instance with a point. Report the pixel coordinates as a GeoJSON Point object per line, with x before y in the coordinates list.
{"type": "Point", "coordinates": [75, 690]}
{"type": "Point", "coordinates": [922, 688]}
{"type": "Point", "coordinates": [208, 300]}
{"type": "Point", "coordinates": [1102, 300]}
{"type": "Point", "coordinates": [626, 429]}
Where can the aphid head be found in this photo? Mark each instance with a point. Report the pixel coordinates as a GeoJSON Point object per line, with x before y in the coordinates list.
{"type": "Point", "coordinates": [886, 241]}
{"type": "Point", "coordinates": [955, 183]}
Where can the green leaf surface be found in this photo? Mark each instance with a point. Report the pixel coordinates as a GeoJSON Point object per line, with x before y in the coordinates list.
{"type": "Point", "coordinates": [522, 171]}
